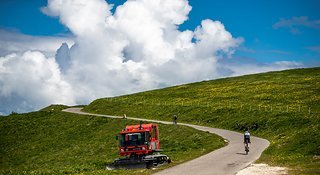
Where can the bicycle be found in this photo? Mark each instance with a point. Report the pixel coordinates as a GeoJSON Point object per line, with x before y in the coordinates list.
{"type": "Point", "coordinates": [246, 147]}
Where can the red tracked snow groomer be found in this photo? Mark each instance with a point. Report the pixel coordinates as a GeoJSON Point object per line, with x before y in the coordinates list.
{"type": "Point", "coordinates": [140, 144]}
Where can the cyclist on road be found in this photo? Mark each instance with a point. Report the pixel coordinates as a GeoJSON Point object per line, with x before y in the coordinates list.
{"type": "Point", "coordinates": [246, 137]}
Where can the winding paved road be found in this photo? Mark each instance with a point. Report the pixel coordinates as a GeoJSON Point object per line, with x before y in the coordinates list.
{"type": "Point", "coordinates": [224, 161]}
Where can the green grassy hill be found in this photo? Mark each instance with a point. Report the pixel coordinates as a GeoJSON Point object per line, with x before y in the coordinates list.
{"type": "Point", "coordinates": [54, 142]}
{"type": "Point", "coordinates": [283, 107]}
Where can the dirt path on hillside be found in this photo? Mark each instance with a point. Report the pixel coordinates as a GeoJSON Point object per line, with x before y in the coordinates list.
{"type": "Point", "coordinates": [224, 161]}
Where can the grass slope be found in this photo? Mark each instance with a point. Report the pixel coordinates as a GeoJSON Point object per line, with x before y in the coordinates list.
{"type": "Point", "coordinates": [54, 142]}
{"type": "Point", "coordinates": [280, 106]}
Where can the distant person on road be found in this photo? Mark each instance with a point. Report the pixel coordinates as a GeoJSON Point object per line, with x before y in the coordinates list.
{"type": "Point", "coordinates": [246, 136]}
{"type": "Point", "coordinates": [175, 118]}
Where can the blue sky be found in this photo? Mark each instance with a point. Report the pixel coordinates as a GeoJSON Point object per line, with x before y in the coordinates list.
{"type": "Point", "coordinates": [73, 52]}
{"type": "Point", "coordinates": [252, 20]}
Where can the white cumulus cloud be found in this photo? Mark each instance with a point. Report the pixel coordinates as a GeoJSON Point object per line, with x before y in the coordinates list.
{"type": "Point", "coordinates": [138, 47]}
{"type": "Point", "coordinates": [15, 42]}
{"type": "Point", "coordinates": [30, 81]}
